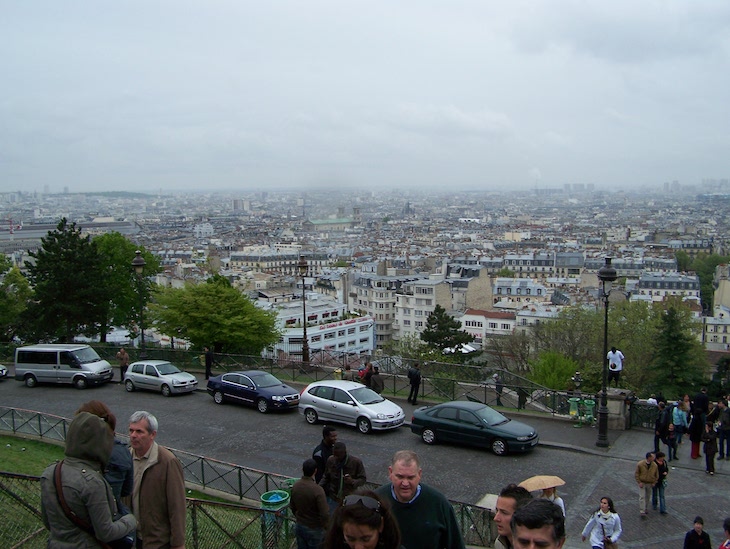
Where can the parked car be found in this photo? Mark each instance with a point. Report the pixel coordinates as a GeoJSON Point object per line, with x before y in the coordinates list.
{"type": "Point", "coordinates": [350, 403]}
{"type": "Point", "coordinates": [253, 388]}
{"type": "Point", "coordinates": [3, 372]}
{"type": "Point", "coordinates": [159, 375]}
{"type": "Point", "coordinates": [474, 424]}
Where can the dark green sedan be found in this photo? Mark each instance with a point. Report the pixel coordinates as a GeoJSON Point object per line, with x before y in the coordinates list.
{"type": "Point", "coordinates": [474, 424]}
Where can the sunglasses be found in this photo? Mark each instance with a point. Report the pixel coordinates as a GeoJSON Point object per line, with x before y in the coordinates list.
{"type": "Point", "coordinates": [365, 501]}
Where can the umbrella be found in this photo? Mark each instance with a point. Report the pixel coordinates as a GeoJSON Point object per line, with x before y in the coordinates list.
{"type": "Point", "coordinates": [540, 482]}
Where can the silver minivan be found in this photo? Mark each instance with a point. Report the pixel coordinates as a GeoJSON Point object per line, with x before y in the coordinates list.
{"type": "Point", "coordinates": [74, 363]}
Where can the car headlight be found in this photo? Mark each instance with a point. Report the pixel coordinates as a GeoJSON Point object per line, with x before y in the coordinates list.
{"type": "Point", "coordinates": [278, 398]}
{"type": "Point", "coordinates": [382, 416]}
{"type": "Point", "coordinates": [524, 439]}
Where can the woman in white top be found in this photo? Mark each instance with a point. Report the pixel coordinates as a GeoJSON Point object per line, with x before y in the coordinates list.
{"type": "Point", "coordinates": [603, 524]}
{"type": "Point", "coordinates": [552, 495]}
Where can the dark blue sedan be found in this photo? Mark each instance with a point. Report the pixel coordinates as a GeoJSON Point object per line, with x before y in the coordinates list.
{"type": "Point", "coordinates": [253, 388]}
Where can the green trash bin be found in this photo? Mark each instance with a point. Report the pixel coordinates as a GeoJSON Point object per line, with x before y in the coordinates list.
{"type": "Point", "coordinates": [590, 406]}
{"type": "Point", "coordinates": [574, 412]}
{"type": "Point", "coordinates": [272, 521]}
{"type": "Point", "coordinates": [287, 483]}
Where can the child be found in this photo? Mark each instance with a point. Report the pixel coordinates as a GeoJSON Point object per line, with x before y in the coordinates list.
{"type": "Point", "coordinates": [709, 437]}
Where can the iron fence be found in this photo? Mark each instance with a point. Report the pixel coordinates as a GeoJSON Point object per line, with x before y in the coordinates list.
{"type": "Point", "coordinates": [244, 483]}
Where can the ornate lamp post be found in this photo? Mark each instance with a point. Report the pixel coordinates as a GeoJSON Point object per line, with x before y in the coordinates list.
{"type": "Point", "coordinates": [607, 275]}
{"type": "Point", "coordinates": [138, 264]}
{"type": "Point", "coordinates": [303, 268]}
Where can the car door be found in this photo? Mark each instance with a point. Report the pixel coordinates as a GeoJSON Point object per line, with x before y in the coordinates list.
{"type": "Point", "coordinates": [66, 368]}
{"type": "Point", "coordinates": [447, 424]}
{"type": "Point", "coordinates": [232, 387]}
{"type": "Point", "coordinates": [247, 390]}
{"type": "Point", "coordinates": [151, 379]}
{"type": "Point", "coordinates": [322, 401]}
{"type": "Point", "coordinates": [342, 408]}
{"type": "Point", "coordinates": [471, 429]}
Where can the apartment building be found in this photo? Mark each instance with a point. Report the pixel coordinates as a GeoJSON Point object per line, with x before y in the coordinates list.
{"type": "Point", "coordinates": [415, 300]}
{"type": "Point", "coordinates": [658, 286]}
{"type": "Point", "coordinates": [483, 324]}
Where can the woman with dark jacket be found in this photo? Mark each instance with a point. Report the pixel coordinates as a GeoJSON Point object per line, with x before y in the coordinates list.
{"type": "Point", "coordinates": [709, 437]}
{"type": "Point", "coordinates": [89, 444]}
{"type": "Point", "coordinates": [696, 428]}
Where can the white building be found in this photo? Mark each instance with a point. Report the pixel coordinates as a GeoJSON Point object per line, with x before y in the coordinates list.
{"type": "Point", "coordinates": [482, 324]}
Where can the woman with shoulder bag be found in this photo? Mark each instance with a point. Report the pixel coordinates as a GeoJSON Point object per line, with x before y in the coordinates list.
{"type": "Point", "coordinates": [604, 526]}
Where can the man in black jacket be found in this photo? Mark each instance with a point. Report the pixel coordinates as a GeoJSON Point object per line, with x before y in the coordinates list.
{"type": "Point", "coordinates": [661, 426]}
{"type": "Point", "coordinates": [324, 450]}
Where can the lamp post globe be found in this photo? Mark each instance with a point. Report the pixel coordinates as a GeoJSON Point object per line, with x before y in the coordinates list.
{"type": "Point", "coordinates": [607, 276]}
{"type": "Point", "coordinates": [138, 264]}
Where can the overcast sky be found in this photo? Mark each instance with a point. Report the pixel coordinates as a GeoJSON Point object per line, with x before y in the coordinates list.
{"type": "Point", "coordinates": [242, 94]}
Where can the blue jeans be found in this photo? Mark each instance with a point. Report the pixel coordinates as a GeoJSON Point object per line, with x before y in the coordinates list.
{"type": "Point", "coordinates": [309, 538]}
{"type": "Point", "coordinates": [658, 490]}
{"type": "Point", "coordinates": [724, 442]}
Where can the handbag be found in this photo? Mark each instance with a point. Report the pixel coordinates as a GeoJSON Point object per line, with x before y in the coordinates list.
{"type": "Point", "coordinates": [126, 542]}
{"type": "Point", "coordinates": [607, 543]}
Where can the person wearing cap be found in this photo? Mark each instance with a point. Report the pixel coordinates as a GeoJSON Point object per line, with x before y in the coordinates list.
{"type": "Point", "coordinates": [697, 538]}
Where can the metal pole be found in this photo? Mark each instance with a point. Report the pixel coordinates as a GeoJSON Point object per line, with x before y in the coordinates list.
{"type": "Point", "coordinates": [142, 347]}
{"type": "Point", "coordinates": [602, 440]}
{"type": "Point", "coordinates": [305, 341]}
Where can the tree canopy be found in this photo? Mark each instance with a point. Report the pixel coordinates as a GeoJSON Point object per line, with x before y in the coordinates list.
{"type": "Point", "coordinates": [15, 293]}
{"type": "Point", "coordinates": [213, 314]}
{"type": "Point", "coordinates": [70, 292]}
{"type": "Point", "coordinates": [442, 331]}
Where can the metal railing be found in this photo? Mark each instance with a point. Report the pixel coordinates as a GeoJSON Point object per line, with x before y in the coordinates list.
{"type": "Point", "coordinates": [243, 483]}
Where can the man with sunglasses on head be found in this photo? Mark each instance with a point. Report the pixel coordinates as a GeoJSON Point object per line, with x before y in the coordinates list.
{"type": "Point", "coordinates": [425, 516]}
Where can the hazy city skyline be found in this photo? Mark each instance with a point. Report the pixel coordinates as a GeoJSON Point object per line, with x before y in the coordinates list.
{"type": "Point", "coordinates": [167, 96]}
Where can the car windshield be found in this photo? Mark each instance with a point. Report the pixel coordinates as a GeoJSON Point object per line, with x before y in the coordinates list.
{"type": "Point", "coordinates": [87, 355]}
{"type": "Point", "coordinates": [366, 396]}
{"type": "Point", "coordinates": [265, 380]}
{"type": "Point", "coordinates": [491, 416]}
{"type": "Point", "coordinates": [167, 368]}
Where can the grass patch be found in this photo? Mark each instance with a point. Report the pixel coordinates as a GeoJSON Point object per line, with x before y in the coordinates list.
{"type": "Point", "coordinates": [26, 456]}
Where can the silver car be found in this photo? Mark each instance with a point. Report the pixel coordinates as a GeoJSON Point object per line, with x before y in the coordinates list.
{"type": "Point", "coordinates": [3, 372]}
{"type": "Point", "coordinates": [350, 403]}
{"type": "Point", "coordinates": [160, 376]}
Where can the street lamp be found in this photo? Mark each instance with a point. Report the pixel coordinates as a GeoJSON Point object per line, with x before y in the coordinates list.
{"type": "Point", "coordinates": [303, 268]}
{"type": "Point", "coordinates": [607, 275]}
{"type": "Point", "coordinates": [138, 264]}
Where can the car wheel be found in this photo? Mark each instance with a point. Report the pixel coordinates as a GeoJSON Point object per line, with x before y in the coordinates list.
{"type": "Point", "coordinates": [30, 381]}
{"type": "Point", "coordinates": [129, 386]}
{"type": "Point", "coordinates": [311, 416]}
{"type": "Point", "coordinates": [499, 446]}
{"type": "Point", "coordinates": [428, 436]}
{"type": "Point", "coordinates": [80, 382]}
{"type": "Point", "coordinates": [166, 392]}
{"type": "Point", "coordinates": [218, 397]}
{"type": "Point", "coordinates": [262, 405]}
{"type": "Point", "coordinates": [363, 425]}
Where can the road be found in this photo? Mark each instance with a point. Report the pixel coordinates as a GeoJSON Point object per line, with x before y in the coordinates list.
{"type": "Point", "coordinates": [278, 443]}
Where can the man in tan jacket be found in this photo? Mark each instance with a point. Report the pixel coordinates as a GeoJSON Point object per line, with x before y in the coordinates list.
{"type": "Point", "coordinates": [646, 475]}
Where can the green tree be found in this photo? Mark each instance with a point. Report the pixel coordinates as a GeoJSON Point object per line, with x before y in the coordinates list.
{"type": "Point", "coordinates": [15, 293]}
{"type": "Point", "coordinates": [553, 370]}
{"type": "Point", "coordinates": [683, 261]}
{"type": "Point", "coordinates": [68, 279]}
{"type": "Point", "coordinates": [704, 265]}
{"type": "Point", "coordinates": [214, 314]}
{"type": "Point", "coordinates": [122, 307]}
{"type": "Point", "coordinates": [679, 360]}
{"type": "Point", "coordinates": [504, 272]}
{"type": "Point", "coordinates": [443, 331]}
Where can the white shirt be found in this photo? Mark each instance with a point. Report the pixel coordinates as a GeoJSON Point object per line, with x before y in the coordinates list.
{"type": "Point", "coordinates": [615, 360]}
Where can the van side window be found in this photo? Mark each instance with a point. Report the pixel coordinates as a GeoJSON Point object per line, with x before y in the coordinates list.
{"type": "Point", "coordinates": [42, 357]}
{"type": "Point", "coordinates": [68, 359]}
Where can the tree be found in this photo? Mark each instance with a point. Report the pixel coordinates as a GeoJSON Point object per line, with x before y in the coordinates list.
{"type": "Point", "coordinates": [704, 265]}
{"type": "Point", "coordinates": [553, 370]}
{"type": "Point", "coordinates": [504, 272]}
{"type": "Point", "coordinates": [15, 293]}
{"type": "Point", "coordinates": [122, 308]}
{"type": "Point", "coordinates": [443, 332]}
{"type": "Point", "coordinates": [68, 280]}
{"type": "Point", "coordinates": [679, 360]}
{"type": "Point", "coordinates": [214, 314]}
{"type": "Point", "coordinates": [683, 261]}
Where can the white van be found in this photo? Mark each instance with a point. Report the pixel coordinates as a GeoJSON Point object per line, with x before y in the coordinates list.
{"type": "Point", "coordinates": [74, 363]}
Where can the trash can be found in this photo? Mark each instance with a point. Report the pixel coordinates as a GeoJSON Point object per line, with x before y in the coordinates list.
{"type": "Point", "coordinates": [337, 373]}
{"type": "Point", "coordinates": [574, 406]}
{"type": "Point", "coordinates": [287, 484]}
{"type": "Point", "coordinates": [590, 406]}
{"type": "Point", "coordinates": [272, 521]}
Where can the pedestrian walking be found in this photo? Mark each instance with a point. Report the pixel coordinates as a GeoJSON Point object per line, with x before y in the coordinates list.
{"type": "Point", "coordinates": [377, 383]}
{"type": "Point", "coordinates": [680, 419]}
{"type": "Point", "coordinates": [661, 426]}
{"type": "Point", "coordinates": [552, 495]}
{"type": "Point", "coordinates": [367, 376]}
{"type": "Point", "coordinates": [696, 428]}
{"type": "Point", "coordinates": [498, 388]}
{"type": "Point", "coordinates": [604, 526]}
{"type": "Point", "coordinates": [309, 505]}
{"type": "Point", "coordinates": [414, 378]}
{"type": "Point", "coordinates": [657, 491]}
{"type": "Point", "coordinates": [209, 359]}
{"type": "Point", "coordinates": [709, 438]}
{"type": "Point", "coordinates": [671, 443]}
{"type": "Point", "coordinates": [646, 476]}
{"type": "Point", "coordinates": [697, 538]}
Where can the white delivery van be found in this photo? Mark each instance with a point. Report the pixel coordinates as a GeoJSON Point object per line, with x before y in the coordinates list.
{"type": "Point", "coordinates": [74, 363]}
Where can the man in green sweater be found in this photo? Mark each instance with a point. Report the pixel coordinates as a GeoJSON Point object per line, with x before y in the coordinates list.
{"type": "Point", "coordinates": [425, 517]}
